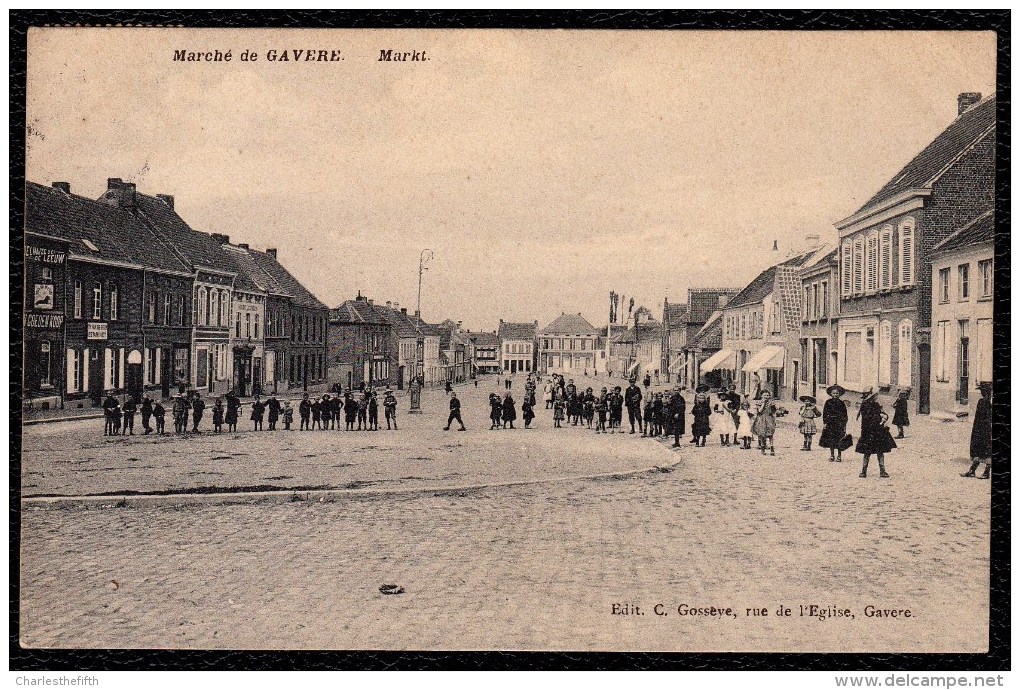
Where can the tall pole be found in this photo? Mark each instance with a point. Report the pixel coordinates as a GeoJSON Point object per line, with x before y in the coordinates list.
{"type": "Point", "coordinates": [419, 354]}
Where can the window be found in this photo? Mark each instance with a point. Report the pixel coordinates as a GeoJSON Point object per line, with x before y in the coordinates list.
{"type": "Point", "coordinates": [214, 307]}
{"type": "Point", "coordinates": [256, 327]}
{"type": "Point", "coordinates": [907, 252]}
{"type": "Point", "coordinates": [181, 306]}
{"type": "Point", "coordinates": [885, 353]}
{"type": "Point", "coordinates": [584, 344]}
{"type": "Point", "coordinates": [805, 307]}
{"type": "Point", "coordinates": [805, 355]}
{"type": "Point", "coordinates": [224, 308]}
{"type": "Point", "coordinates": [166, 309]}
{"type": "Point", "coordinates": [858, 287]}
{"type": "Point", "coordinates": [963, 363]}
{"type": "Point", "coordinates": [943, 285]}
{"type": "Point", "coordinates": [202, 305]}
{"type": "Point", "coordinates": [208, 309]}
{"type": "Point", "coordinates": [847, 264]}
{"type": "Point", "coordinates": [45, 364]}
{"type": "Point", "coordinates": [77, 299]}
{"type": "Point", "coordinates": [871, 269]}
{"type": "Point", "coordinates": [987, 276]}
{"type": "Point", "coordinates": [825, 299]}
{"type": "Point", "coordinates": [963, 276]}
{"type": "Point", "coordinates": [852, 357]}
{"type": "Point", "coordinates": [941, 344]}
{"type": "Point", "coordinates": [906, 351]}
{"type": "Point", "coordinates": [114, 302]}
{"type": "Point", "coordinates": [885, 259]}
{"type": "Point", "coordinates": [97, 301]}
{"type": "Point", "coordinates": [75, 371]}
{"type": "Point", "coordinates": [151, 315]}
{"type": "Point", "coordinates": [247, 325]}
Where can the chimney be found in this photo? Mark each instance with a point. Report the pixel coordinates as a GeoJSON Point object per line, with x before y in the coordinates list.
{"type": "Point", "coordinates": [120, 193]}
{"type": "Point", "coordinates": [65, 187]}
{"type": "Point", "coordinates": [167, 199]}
{"type": "Point", "coordinates": [966, 101]}
{"type": "Point", "coordinates": [242, 245]}
{"type": "Point", "coordinates": [271, 252]}
{"type": "Point", "coordinates": [396, 307]}
{"type": "Point", "coordinates": [389, 304]}
{"type": "Point", "coordinates": [813, 241]}
{"type": "Point", "coordinates": [222, 239]}
{"type": "Point", "coordinates": [404, 311]}
{"type": "Point", "coordinates": [458, 325]}
{"type": "Point", "coordinates": [371, 302]}
{"type": "Point", "coordinates": [723, 300]}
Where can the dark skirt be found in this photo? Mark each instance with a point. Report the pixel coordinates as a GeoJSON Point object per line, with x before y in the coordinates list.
{"type": "Point", "coordinates": [875, 440]}
{"type": "Point", "coordinates": [900, 418]}
{"type": "Point", "coordinates": [831, 436]}
{"type": "Point", "coordinates": [701, 426]}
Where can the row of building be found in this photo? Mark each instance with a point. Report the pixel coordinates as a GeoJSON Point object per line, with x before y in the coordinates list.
{"type": "Point", "coordinates": [902, 299]}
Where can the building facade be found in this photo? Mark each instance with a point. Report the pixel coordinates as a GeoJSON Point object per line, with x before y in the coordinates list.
{"type": "Point", "coordinates": [567, 345]}
{"type": "Point", "coordinates": [962, 315]}
{"type": "Point", "coordinates": [361, 344]}
{"type": "Point", "coordinates": [884, 333]}
{"type": "Point", "coordinates": [702, 304]}
{"type": "Point", "coordinates": [819, 361]}
{"type": "Point", "coordinates": [486, 352]}
{"type": "Point", "coordinates": [517, 346]}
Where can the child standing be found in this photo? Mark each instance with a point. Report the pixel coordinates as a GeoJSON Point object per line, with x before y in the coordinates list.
{"type": "Point", "coordinates": [373, 412]}
{"type": "Point", "coordinates": [316, 408]}
{"type": "Point", "coordinates": [901, 418]}
{"type": "Point", "coordinates": [558, 412]}
{"type": "Point", "coordinates": [390, 407]}
{"type": "Point", "coordinates": [808, 413]}
{"type": "Point", "coordinates": [722, 420]}
{"type": "Point", "coordinates": [288, 415]}
{"type": "Point", "coordinates": [744, 425]}
{"type": "Point", "coordinates": [159, 413]}
{"type": "Point", "coordinates": [649, 415]}
{"type": "Point", "coordinates": [305, 410]}
{"type": "Point", "coordinates": [527, 412]}
{"type": "Point", "coordinates": [702, 411]}
{"type": "Point", "coordinates": [217, 416]}
{"type": "Point", "coordinates": [764, 426]}
{"type": "Point", "coordinates": [258, 409]}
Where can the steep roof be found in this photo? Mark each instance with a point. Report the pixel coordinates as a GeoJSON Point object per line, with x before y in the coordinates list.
{"type": "Point", "coordinates": [710, 337]}
{"type": "Point", "coordinates": [509, 330]}
{"type": "Point", "coordinates": [674, 315]}
{"type": "Point", "coordinates": [927, 166]}
{"type": "Point", "coordinates": [702, 302]}
{"type": "Point", "coordinates": [484, 339]}
{"type": "Point", "coordinates": [115, 233]}
{"type": "Point", "coordinates": [757, 290]}
{"type": "Point", "coordinates": [569, 324]}
{"type": "Point", "coordinates": [402, 325]}
{"type": "Point", "coordinates": [196, 248]}
{"type": "Point", "coordinates": [979, 231]}
{"type": "Point", "coordinates": [359, 311]}
{"type": "Point", "coordinates": [289, 285]}
{"type": "Point", "coordinates": [249, 276]}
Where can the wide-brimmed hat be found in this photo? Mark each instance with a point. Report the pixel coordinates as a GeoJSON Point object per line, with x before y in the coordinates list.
{"type": "Point", "coordinates": [984, 385]}
{"type": "Point", "coordinates": [702, 389]}
{"type": "Point", "coordinates": [807, 399]}
{"type": "Point", "coordinates": [835, 390]}
{"type": "Point", "coordinates": [869, 394]}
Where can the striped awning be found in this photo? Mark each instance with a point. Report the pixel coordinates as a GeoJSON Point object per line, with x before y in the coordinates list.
{"type": "Point", "coordinates": [723, 359]}
{"type": "Point", "coordinates": [769, 357]}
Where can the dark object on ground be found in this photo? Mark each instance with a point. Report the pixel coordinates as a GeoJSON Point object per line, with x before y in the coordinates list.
{"type": "Point", "coordinates": [391, 589]}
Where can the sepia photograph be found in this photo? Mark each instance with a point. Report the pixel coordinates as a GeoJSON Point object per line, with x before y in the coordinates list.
{"type": "Point", "coordinates": [508, 340]}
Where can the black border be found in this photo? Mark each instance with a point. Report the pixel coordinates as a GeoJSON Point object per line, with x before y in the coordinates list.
{"type": "Point", "coordinates": [998, 657]}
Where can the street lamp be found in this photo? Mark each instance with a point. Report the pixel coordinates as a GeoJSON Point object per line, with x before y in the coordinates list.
{"type": "Point", "coordinates": [419, 355]}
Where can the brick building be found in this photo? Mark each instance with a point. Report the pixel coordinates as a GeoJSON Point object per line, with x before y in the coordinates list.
{"type": "Point", "coordinates": [486, 349]}
{"type": "Point", "coordinates": [702, 303]}
{"type": "Point", "coordinates": [819, 319]}
{"type": "Point", "coordinates": [884, 334]}
{"type": "Point", "coordinates": [45, 296]}
{"type": "Point", "coordinates": [362, 348]}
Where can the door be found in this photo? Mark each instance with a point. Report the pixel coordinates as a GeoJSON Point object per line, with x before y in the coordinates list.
{"type": "Point", "coordinates": [95, 365]}
{"type": "Point", "coordinates": [256, 376]}
{"type": "Point", "coordinates": [166, 365]}
{"type": "Point", "coordinates": [400, 378]}
{"type": "Point", "coordinates": [924, 376]}
{"type": "Point", "coordinates": [796, 380]}
{"type": "Point", "coordinates": [820, 361]}
{"type": "Point", "coordinates": [963, 365]}
{"type": "Point", "coordinates": [133, 381]}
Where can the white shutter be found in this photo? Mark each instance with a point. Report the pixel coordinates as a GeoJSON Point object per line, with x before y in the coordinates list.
{"type": "Point", "coordinates": [70, 372]}
{"type": "Point", "coordinates": [906, 349]}
{"type": "Point", "coordinates": [858, 266]}
{"type": "Point", "coordinates": [872, 262]}
{"type": "Point", "coordinates": [85, 369]}
{"type": "Point", "coordinates": [907, 252]}
{"type": "Point", "coordinates": [984, 349]}
{"type": "Point", "coordinates": [120, 378]}
{"type": "Point", "coordinates": [885, 260]}
{"type": "Point", "coordinates": [107, 369]}
{"type": "Point", "coordinates": [847, 269]}
{"type": "Point", "coordinates": [884, 353]}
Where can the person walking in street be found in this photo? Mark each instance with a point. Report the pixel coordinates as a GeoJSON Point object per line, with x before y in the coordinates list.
{"type": "Point", "coordinates": [527, 411]}
{"type": "Point", "coordinates": [702, 412]}
{"type": "Point", "coordinates": [834, 420]}
{"type": "Point", "coordinates": [632, 399]}
{"type": "Point", "coordinates": [744, 432]}
{"type": "Point", "coordinates": [233, 411]}
{"type": "Point", "coordinates": [373, 411]}
{"type": "Point", "coordinates": [722, 419]}
{"type": "Point", "coordinates": [159, 414]}
{"type": "Point", "coordinates": [808, 413]}
{"type": "Point", "coordinates": [197, 410]}
{"type": "Point", "coordinates": [981, 434]}
{"type": "Point", "coordinates": [258, 409]}
{"type": "Point", "coordinates": [454, 413]}
{"type": "Point", "coordinates": [901, 417]}
{"type": "Point", "coordinates": [764, 425]}
{"type": "Point", "coordinates": [129, 409]}
{"type": "Point", "coordinates": [274, 408]}
{"type": "Point", "coordinates": [217, 415]}
{"type": "Point", "coordinates": [288, 415]}
{"type": "Point", "coordinates": [509, 410]}
{"type": "Point", "coordinates": [146, 410]}
{"type": "Point", "coordinates": [677, 412]}
{"type": "Point", "coordinates": [390, 407]}
{"type": "Point", "coordinates": [109, 405]}
{"type": "Point", "coordinates": [875, 438]}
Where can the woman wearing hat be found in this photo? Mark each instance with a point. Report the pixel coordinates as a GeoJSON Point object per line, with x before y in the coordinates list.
{"type": "Point", "coordinates": [808, 413]}
{"type": "Point", "coordinates": [901, 417]}
{"type": "Point", "coordinates": [834, 421]}
{"type": "Point", "coordinates": [981, 435]}
{"type": "Point", "coordinates": [875, 438]}
{"type": "Point", "coordinates": [764, 425]}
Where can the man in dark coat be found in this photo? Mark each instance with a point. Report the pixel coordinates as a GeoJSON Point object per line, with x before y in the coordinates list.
{"type": "Point", "coordinates": [275, 408]}
{"type": "Point", "coordinates": [677, 416]}
{"type": "Point", "coordinates": [146, 413]}
{"type": "Point", "coordinates": [632, 399]}
{"type": "Point", "coordinates": [129, 409]}
{"type": "Point", "coordinates": [509, 410]}
{"type": "Point", "coordinates": [981, 434]}
{"type": "Point", "coordinates": [454, 413]}
{"type": "Point", "coordinates": [197, 408]}
{"type": "Point", "coordinates": [110, 405]}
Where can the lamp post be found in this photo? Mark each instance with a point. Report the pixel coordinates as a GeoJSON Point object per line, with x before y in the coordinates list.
{"type": "Point", "coordinates": [419, 354]}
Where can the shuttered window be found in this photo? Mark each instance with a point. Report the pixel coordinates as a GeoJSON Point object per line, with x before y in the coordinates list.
{"type": "Point", "coordinates": [871, 264]}
{"type": "Point", "coordinates": [907, 252]}
{"type": "Point", "coordinates": [858, 266]}
{"type": "Point", "coordinates": [906, 349]}
{"type": "Point", "coordinates": [847, 269]}
{"type": "Point", "coordinates": [885, 259]}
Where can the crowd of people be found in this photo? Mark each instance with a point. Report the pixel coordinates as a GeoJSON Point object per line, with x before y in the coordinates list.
{"type": "Point", "coordinates": [354, 410]}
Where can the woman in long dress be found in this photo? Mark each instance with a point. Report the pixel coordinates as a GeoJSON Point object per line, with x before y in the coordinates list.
{"type": "Point", "coordinates": [834, 421]}
{"type": "Point", "coordinates": [981, 434]}
{"type": "Point", "coordinates": [875, 438]}
{"type": "Point", "coordinates": [509, 411]}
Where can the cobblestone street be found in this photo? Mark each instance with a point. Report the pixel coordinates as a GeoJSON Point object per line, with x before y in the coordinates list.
{"type": "Point", "coordinates": [536, 566]}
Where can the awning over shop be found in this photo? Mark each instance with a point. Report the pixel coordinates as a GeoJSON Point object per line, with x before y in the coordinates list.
{"type": "Point", "coordinates": [633, 368]}
{"type": "Point", "coordinates": [769, 357]}
{"type": "Point", "coordinates": [723, 359]}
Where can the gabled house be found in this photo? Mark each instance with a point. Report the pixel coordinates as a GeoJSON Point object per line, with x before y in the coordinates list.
{"type": "Point", "coordinates": [884, 337]}
{"type": "Point", "coordinates": [567, 345]}
{"type": "Point", "coordinates": [517, 346]}
{"type": "Point", "coordinates": [702, 303]}
{"type": "Point", "coordinates": [674, 339]}
{"type": "Point", "coordinates": [361, 345]}
{"type": "Point", "coordinates": [486, 352]}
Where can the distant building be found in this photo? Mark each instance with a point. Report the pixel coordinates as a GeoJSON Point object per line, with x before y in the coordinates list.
{"type": "Point", "coordinates": [568, 344]}
{"type": "Point", "coordinates": [819, 319]}
{"type": "Point", "coordinates": [637, 350]}
{"type": "Point", "coordinates": [685, 361]}
{"type": "Point", "coordinates": [962, 315]}
{"type": "Point", "coordinates": [486, 352]}
{"type": "Point", "coordinates": [517, 346]}
{"type": "Point", "coordinates": [361, 345]}
{"type": "Point", "coordinates": [674, 340]}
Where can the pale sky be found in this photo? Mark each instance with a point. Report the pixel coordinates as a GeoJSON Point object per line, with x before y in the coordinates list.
{"type": "Point", "coordinates": [543, 168]}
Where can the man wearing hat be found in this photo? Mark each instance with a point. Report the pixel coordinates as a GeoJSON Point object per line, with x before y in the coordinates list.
{"type": "Point", "coordinates": [677, 411]}
{"type": "Point", "coordinates": [632, 399]}
{"type": "Point", "coordinates": [981, 434]}
{"type": "Point", "coordinates": [834, 420]}
{"type": "Point", "coordinates": [454, 413]}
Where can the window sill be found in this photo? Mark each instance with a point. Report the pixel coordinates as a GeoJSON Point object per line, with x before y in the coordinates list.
{"type": "Point", "coordinates": [985, 298]}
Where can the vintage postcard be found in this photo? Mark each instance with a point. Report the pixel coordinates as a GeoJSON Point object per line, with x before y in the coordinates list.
{"type": "Point", "coordinates": [656, 341]}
